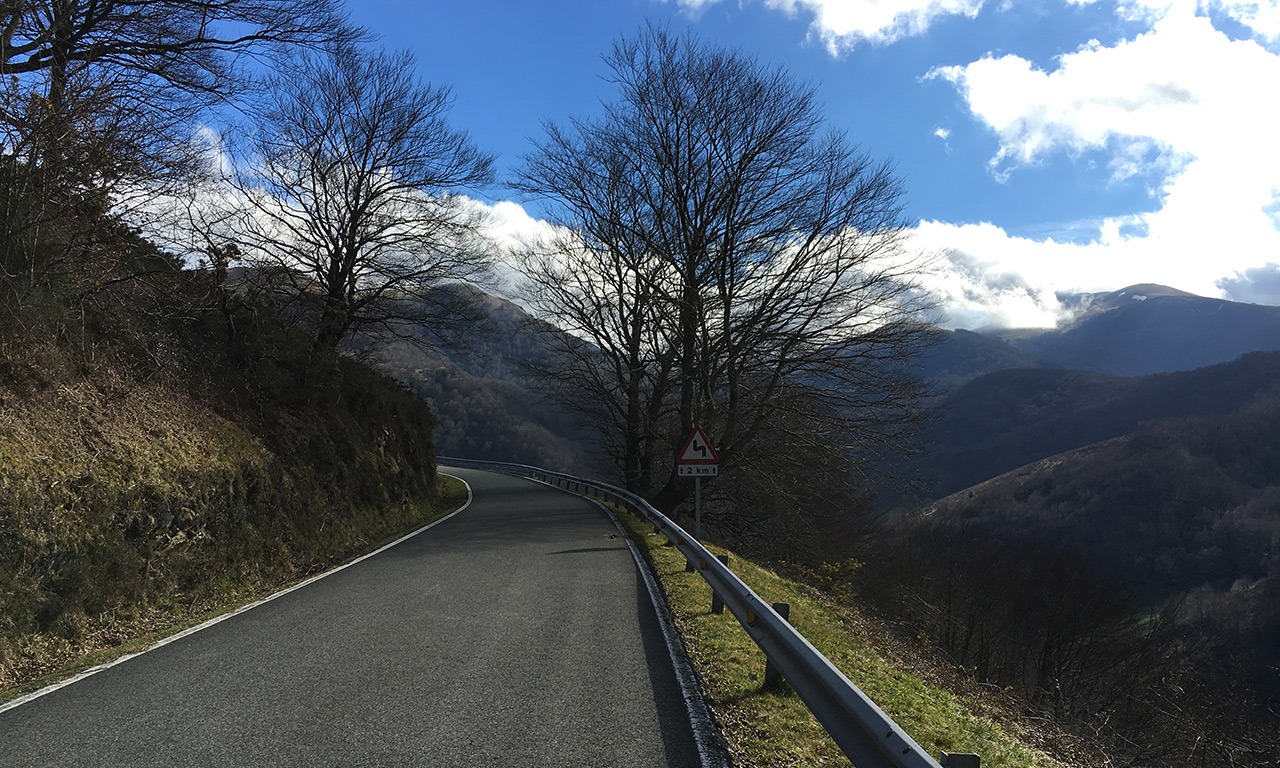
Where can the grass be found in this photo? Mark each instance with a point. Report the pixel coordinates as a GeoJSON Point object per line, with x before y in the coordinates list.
{"type": "Point", "coordinates": [776, 728]}
{"type": "Point", "coordinates": [151, 628]}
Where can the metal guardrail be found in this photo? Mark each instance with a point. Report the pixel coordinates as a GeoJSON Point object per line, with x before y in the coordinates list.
{"type": "Point", "coordinates": [861, 729]}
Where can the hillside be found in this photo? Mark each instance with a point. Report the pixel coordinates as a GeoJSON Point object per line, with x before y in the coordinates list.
{"type": "Point", "coordinates": [1174, 505]}
{"type": "Point", "coordinates": [1147, 328]}
{"type": "Point", "coordinates": [1131, 586]}
{"type": "Point", "coordinates": [165, 447]}
{"type": "Point", "coordinates": [1006, 419]}
{"type": "Point", "coordinates": [959, 357]}
{"type": "Point", "coordinates": [479, 384]}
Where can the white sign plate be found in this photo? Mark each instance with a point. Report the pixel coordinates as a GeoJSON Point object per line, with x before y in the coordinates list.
{"type": "Point", "coordinates": [697, 470]}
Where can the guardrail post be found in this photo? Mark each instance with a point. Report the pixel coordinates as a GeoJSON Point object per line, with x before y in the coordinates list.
{"type": "Point", "coordinates": [717, 605]}
{"type": "Point", "coordinates": [772, 677]}
{"type": "Point", "coordinates": [838, 704]}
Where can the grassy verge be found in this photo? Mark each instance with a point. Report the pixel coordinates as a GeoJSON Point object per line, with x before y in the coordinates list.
{"type": "Point", "coordinates": [118, 638]}
{"type": "Point", "coordinates": [775, 728]}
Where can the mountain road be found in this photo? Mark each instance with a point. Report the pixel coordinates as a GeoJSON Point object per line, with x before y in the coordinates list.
{"type": "Point", "coordinates": [518, 633]}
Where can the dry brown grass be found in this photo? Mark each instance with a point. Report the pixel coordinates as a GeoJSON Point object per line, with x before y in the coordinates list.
{"type": "Point", "coordinates": [154, 465]}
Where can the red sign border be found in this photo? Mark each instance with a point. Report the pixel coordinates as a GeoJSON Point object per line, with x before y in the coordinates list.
{"type": "Point", "coordinates": [715, 457]}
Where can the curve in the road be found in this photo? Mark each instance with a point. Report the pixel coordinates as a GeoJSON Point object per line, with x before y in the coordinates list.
{"type": "Point", "coordinates": [517, 634]}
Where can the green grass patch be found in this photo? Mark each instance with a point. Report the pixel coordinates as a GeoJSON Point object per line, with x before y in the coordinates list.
{"type": "Point", "coordinates": [138, 632]}
{"type": "Point", "coordinates": [776, 728]}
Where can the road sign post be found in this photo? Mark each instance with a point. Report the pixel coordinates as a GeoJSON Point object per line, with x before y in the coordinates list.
{"type": "Point", "coordinates": [697, 459]}
{"type": "Point", "coordinates": [697, 508]}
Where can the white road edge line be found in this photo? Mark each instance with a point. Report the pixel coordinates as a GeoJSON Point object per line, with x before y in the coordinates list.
{"type": "Point", "coordinates": [706, 734]}
{"type": "Point", "coordinates": [27, 698]}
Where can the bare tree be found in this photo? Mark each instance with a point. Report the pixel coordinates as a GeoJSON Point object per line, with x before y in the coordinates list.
{"type": "Point", "coordinates": [99, 102]}
{"type": "Point", "coordinates": [130, 75]}
{"type": "Point", "coordinates": [735, 265]}
{"type": "Point", "coordinates": [189, 45]}
{"type": "Point", "coordinates": [351, 195]}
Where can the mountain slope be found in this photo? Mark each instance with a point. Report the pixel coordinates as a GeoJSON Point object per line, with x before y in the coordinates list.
{"type": "Point", "coordinates": [1174, 504]}
{"type": "Point", "coordinates": [480, 387]}
{"type": "Point", "coordinates": [1150, 329]}
{"type": "Point", "coordinates": [1006, 419]}
{"type": "Point", "coordinates": [1132, 584]}
{"type": "Point", "coordinates": [961, 356]}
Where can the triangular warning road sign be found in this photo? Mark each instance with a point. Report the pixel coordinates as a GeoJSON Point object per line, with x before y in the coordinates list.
{"type": "Point", "coordinates": [697, 450]}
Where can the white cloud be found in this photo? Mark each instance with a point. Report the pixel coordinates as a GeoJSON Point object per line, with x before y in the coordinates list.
{"type": "Point", "coordinates": [512, 227]}
{"type": "Point", "coordinates": [1259, 285]}
{"type": "Point", "coordinates": [842, 24]}
{"type": "Point", "coordinates": [696, 7]}
{"type": "Point", "coordinates": [991, 278]}
{"type": "Point", "coordinates": [509, 228]}
{"type": "Point", "coordinates": [1182, 105]}
{"type": "Point", "coordinates": [1261, 16]}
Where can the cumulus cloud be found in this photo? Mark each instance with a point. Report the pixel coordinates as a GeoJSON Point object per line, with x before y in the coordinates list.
{"type": "Point", "coordinates": [1260, 16]}
{"type": "Point", "coordinates": [1259, 285]}
{"type": "Point", "coordinates": [510, 228]}
{"type": "Point", "coordinates": [842, 24]}
{"type": "Point", "coordinates": [992, 278]}
{"type": "Point", "coordinates": [1183, 105]}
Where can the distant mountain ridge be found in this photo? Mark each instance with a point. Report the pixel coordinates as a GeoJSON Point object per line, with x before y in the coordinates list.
{"type": "Point", "coordinates": [1149, 328]}
{"type": "Point", "coordinates": [1006, 419]}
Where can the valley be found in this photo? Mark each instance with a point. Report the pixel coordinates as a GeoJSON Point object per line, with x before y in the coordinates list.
{"type": "Point", "coordinates": [1098, 542]}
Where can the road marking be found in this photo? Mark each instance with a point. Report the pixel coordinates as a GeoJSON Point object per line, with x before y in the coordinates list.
{"type": "Point", "coordinates": [706, 734]}
{"type": "Point", "coordinates": [48, 689]}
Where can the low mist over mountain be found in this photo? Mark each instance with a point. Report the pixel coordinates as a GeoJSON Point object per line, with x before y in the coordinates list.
{"type": "Point", "coordinates": [1150, 329]}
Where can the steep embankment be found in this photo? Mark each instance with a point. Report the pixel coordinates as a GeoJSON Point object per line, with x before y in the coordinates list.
{"type": "Point", "coordinates": [170, 451]}
{"type": "Point", "coordinates": [765, 729]}
{"type": "Point", "coordinates": [1131, 586]}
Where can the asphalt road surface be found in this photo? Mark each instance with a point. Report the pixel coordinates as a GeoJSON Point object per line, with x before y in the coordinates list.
{"type": "Point", "coordinates": [517, 633]}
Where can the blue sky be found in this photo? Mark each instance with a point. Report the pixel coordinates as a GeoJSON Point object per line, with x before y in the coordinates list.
{"type": "Point", "coordinates": [1046, 146]}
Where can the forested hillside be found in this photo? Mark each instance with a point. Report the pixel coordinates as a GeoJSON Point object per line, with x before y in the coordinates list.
{"type": "Point", "coordinates": [1006, 419]}
{"type": "Point", "coordinates": [1130, 586]}
{"type": "Point", "coordinates": [1109, 552]}
{"type": "Point", "coordinates": [959, 357]}
{"type": "Point", "coordinates": [482, 385]}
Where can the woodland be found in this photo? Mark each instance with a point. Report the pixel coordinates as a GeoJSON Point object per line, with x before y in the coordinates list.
{"type": "Point", "coordinates": [188, 409]}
